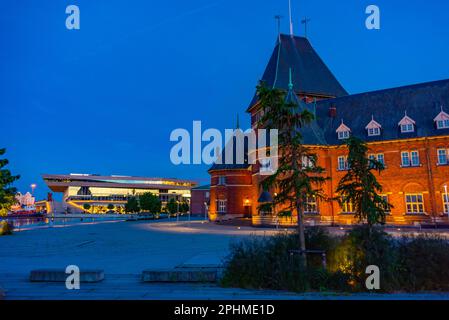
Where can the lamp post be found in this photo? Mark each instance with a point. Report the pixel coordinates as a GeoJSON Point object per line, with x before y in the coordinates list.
{"type": "Point", "coordinates": [33, 186]}
{"type": "Point", "coordinates": [446, 201]}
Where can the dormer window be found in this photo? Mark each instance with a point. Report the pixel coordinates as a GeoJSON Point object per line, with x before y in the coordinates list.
{"type": "Point", "coordinates": [343, 131]}
{"type": "Point", "coordinates": [406, 124]}
{"type": "Point", "coordinates": [442, 120]}
{"type": "Point", "coordinates": [373, 128]}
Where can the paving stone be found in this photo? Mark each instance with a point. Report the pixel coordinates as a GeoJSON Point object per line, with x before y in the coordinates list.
{"type": "Point", "coordinates": [59, 275]}
{"type": "Point", "coordinates": [180, 275]}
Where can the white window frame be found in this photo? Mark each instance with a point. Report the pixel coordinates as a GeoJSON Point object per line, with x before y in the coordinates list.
{"type": "Point", "coordinates": [377, 156]}
{"type": "Point", "coordinates": [221, 180]}
{"type": "Point", "coordinates": [443, 124]}
{"type": "Point", "coordinates": [445, 202]}
{"type": "Point", "coordinates": [405, 163]}
{"type": "Point", "coordinates": [343, 135]}
{"type": "Point", "coordinates": [412, 158]}
{"type": "Point", "coordinates": [373, 131]}
{"type": "Point", "coordinates": [408, 127]}
{"type": "Point", "coordinates": [414, 207]}
{"type": "Point", "coordinates": [344, 162]}
{"type": "Point", "coordinates": [311, 205]}
{"type": "Point", "coordinates": [221, 206]}
{"type": "Point", "coordinates": [445, 156]}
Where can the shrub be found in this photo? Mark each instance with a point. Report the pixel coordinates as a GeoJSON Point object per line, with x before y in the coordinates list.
{"type": "Point", "coordinates": [6, 228]}
{"type": "Point", "coordinates": [363, 246]}
{"type": "Point", "coordinates": [423, 261]}
{"type": "Point", "coordinates": [407, 264]}
{"type": "Point", "coordinates": [267, 263]}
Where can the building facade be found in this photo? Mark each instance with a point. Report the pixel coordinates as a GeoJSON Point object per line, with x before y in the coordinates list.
{"type": "Point", "coordinates": [102, 191]}
{"type": "Point", "coordinates": [200, 200]}
{"type": "Point", "coordinates": [406, 128]}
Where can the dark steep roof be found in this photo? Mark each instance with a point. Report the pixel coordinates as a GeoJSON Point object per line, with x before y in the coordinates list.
{"type": "Point", "coordinates": [311, 75]}
{"type": "Point", "coordinates": [422, 102]}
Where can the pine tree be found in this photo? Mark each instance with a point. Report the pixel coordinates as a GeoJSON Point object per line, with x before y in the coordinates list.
{"type": "Point", "coordinates": [298, 176]}
{"type": "Point", "coordinates": [360, 187]}
{"type": "Point", "coordinates": [7, 192]}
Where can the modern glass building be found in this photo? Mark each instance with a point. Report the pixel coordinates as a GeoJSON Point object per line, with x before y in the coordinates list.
{"type": "Point", "coordinates": [102, 191]}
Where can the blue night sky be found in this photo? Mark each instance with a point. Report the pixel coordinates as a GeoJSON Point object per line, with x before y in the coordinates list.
{"type": "Point", "coordinates": [104, 99]}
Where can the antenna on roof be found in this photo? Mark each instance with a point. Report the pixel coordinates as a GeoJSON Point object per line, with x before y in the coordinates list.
{"type": "Point", "coordinates": [290, 16]}
{"type": "Point", "coordinates": [305, 21]}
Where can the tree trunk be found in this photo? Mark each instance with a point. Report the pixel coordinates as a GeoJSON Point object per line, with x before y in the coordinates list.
{"type": "Point", "coordinates": [302, 238]}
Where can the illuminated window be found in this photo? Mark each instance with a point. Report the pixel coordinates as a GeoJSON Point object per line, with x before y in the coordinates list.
{"type": "Point", "coordinates": [343, 163]}
{"type": "Point", "coordinates": [446, 202]}
{"type": "Point", "coordinates": [311, 205]}
{"type": "Point", "coordinates": [221, 206]}
{"type": "Point", "coordinates": [307, 162]}
{"type": "Point", "coordinates": [387, 207]}
{"type": "Point", "coordinates": [347, 207]}
{"type": "Point", "coordinates": [442, 156]}
{"type": "Point", "coordinates": [414, 203]}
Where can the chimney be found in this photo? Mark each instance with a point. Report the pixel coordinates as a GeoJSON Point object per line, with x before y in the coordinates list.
{"type": "Point", "coordinates": [332, 111]}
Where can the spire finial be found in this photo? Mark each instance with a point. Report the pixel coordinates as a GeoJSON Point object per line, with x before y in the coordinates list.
{"type": "Point", "coordinates": [290, 83]}
{"type": "Point", "coordinates": [278, 23]}
{"type": "Point", "coordinates": [405, 112]}
{"type": "Point", "coordinates": [290, 16]}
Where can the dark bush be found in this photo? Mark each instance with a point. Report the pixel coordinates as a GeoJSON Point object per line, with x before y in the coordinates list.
{"type": "Point", "coordinates": [407, 264]}
{"type": "Point", "coordinates": [363, 246]}
{"type": "Point", "coordinates": [267, 263]}
{"type": "Point", "coordinates": [423, 263]}
{"type": "Point", "coordinates": [6, 228]}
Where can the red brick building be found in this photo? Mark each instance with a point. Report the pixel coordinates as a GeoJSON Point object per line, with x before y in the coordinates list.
{"type": "Point", "coordinates": [200, 200]}
{"type": "Point", "coordinates": [407, 128]}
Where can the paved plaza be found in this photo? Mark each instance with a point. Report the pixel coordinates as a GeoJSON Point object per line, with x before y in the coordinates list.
{"type": "Point", "coordinates": [123, 250]}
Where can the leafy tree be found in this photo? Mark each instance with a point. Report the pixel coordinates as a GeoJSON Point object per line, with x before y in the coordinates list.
{"type": "Point", "coordinates": [86, 206]}
{"type": "Point", "coordinates": [132, 205]}
{"type": "Point", "coordinates": [360, 187]}
{"type": "Point", "coordinates": [150, 202]}
{"type": "Point", "coordinates": [7, 193]}
{"type": "Point", "coordinates": [295, 180]}
{"type": "Point", "coordinates": [172, 206]}
{"type": "Point", "coordinates": [184, 207]}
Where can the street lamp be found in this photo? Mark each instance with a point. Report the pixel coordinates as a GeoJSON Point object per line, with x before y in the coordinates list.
{"type": "Point", "coordinates": [446, 200]}
{"type": "Point", "coordinates": [33, 186]}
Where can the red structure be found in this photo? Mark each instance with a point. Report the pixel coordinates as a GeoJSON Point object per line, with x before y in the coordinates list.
{"type": "Point", "coordinates": [407, 128]}
{"type": "Point", "coordinates": [200, 199]}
